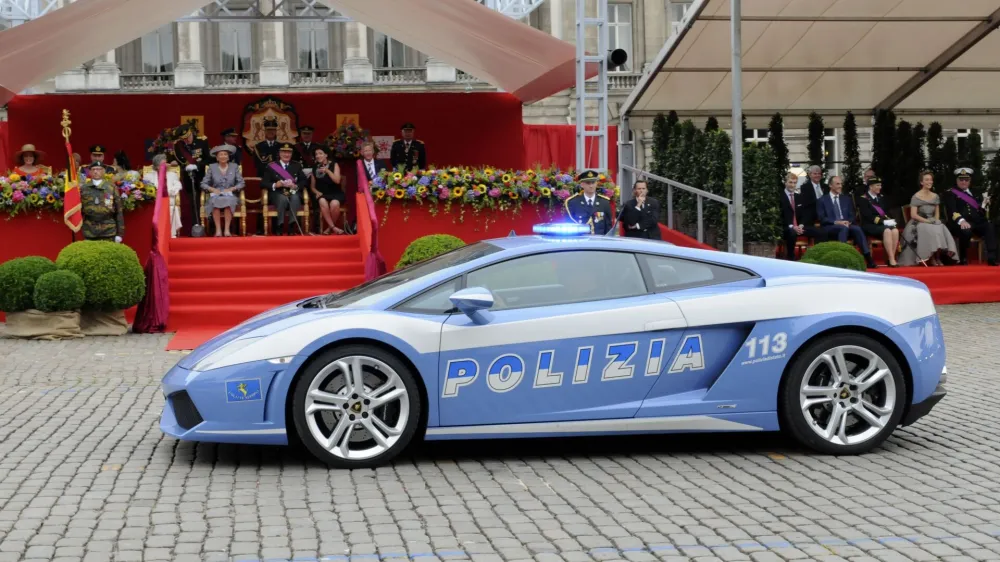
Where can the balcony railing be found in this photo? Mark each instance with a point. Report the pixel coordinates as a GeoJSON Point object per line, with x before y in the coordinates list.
{"type": "Point", "coordinates": [465, 78]}
{"type": "Point", "coordinates": [227, 80]}
{"type": "Point", "coordinates": [147, 82]}
{"type": "Point", "coordinates": [397, 76]}
{"type": "Point", "coordinates": [309, 78]}
{"type": "Point", "coordinates": [622, 81]}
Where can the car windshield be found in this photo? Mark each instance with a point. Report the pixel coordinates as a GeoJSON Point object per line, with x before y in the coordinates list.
{"type": "Point", "coordinates": [392, 280]}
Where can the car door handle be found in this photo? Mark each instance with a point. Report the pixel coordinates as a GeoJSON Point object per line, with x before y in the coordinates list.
{"type": "Point", "coordinates": [665, 325]}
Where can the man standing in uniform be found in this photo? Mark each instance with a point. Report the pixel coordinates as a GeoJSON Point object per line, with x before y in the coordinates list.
{"type": "Point", "coordinates": [267, 149]}
{"type": "Point", "coordinates": [589, 207]}
{"type": "Point", "coordinates": [96, 157]}
{"type": "Point", "coordinates": [966, 217]}
{"type": "Point", "coordinates": [101, 208]}
{"type": "Point", "coordinates": [305, 149]}
{"type": "Point", "coordinates": [232, 138]}
{"type": "Point", "coordinates": [408, 152]}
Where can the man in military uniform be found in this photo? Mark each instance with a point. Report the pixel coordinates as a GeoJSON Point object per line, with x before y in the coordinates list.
{"type": "Point", "coordinates": [408, 152]}
{"type": "Point", "coordinates": [232, 138]}
{"type": "Point", "coordinates": [192, 155]}
{"type": "Point", "coordinates": [967, 216]}
{"type": "Point", "coordinates": [96, 157]}
{"type": "Point", "coordinates": [102, 208]}
{"type": "Point", "coordinates": [589, 207]}
{"type": "Point", "coordinates": [267, 149]}
{"type": "Point", "coordinates": [305, 149]}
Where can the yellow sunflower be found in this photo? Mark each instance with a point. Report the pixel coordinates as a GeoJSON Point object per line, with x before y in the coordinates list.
{"type": "Point", "coordinates": [513, 195]}
{"type": "Point", "coordinates": [488, 171]}
{"type": "Point", "coordinates": [457, 192]}
{"type": "Point", "coordinates": [50, 199]}
{"type": "Point", "coordinates": [454, 170]}
{"type": "Point", "coordinates": [422, 189]}
{"type": "Point", "coordinates": [546, 192]}
{"type": "Point", "coordinates": [380, 194]}
{"type": "Point", "coordinates": [530, 173]}
{"type": "Point", "coordinates": [467, 177]}
{"type": "Point", "coordinates": [505, 178]}
{"type": "Point", "coordinates": [481, 187]}
{"type": "Point", "coordinates": [445, 176]}
{"type": "Point", "coordinates": [400, 193]}
{"type": "Point", "coordinates": [397, 176]}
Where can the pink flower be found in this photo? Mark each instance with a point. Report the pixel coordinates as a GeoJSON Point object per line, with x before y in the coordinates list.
{"type": "Point", "coordinates": [444, 193]}
{"type": "Point", "coordinates": [17, 197]}
{"type": "Point", "coordinates": [494, 192]}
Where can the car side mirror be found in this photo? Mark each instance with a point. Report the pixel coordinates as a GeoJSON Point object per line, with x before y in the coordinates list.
{"type": "Point", "coordinates": [474, 302]}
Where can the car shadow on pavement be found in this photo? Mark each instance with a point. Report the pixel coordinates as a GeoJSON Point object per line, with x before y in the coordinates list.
{"type": "Point", "coordinates": [580, 448]}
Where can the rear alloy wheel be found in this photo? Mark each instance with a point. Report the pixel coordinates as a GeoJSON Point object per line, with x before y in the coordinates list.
{"type": "Point", "coordinates": [356, 407]}
{"type": "Point", "coordinates": [844, 395]}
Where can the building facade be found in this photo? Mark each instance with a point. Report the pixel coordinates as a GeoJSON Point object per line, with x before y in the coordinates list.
{"type": "Point", "coordinates": [214, 51]}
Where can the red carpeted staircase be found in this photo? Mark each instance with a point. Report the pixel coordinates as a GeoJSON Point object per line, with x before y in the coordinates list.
{"type": "Point", "coordinates": [216, 283]}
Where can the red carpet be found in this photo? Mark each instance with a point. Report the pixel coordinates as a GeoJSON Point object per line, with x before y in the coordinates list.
{"type": "Point", "coordinates": [216, 283]}
{"type": "Point", "coordinates": [955, 284]}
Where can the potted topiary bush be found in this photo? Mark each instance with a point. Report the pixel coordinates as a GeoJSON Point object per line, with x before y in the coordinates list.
{"type": "Point", "coordinates": [113, 279]}
{"type": "Point", "coordinates": [427, 247]}
{"type": "Point", "coordinates": [835, 254]}
{"type": "Point", "coordinates": [26, 318]}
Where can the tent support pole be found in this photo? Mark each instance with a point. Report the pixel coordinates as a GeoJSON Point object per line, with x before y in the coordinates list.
{"type": "Point", "coordinates": [736, 210]}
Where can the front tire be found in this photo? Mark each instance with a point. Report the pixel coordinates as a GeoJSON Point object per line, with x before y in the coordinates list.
{"type": "Point", "coordinates": [843, 395]}
{"type": "Point", "coordinates": [356, 406]}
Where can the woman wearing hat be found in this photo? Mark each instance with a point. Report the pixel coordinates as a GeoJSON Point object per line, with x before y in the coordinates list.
{"type": "Point", "coordinates": [222, 181]}
{"type": "Point", "coordinates": [28, 160]}
{"type": "Point", "coordinates": [875, 222]}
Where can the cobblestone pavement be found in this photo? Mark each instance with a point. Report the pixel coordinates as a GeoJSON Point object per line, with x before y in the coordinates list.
{"type": "Point", "coordinates": [85, 474]}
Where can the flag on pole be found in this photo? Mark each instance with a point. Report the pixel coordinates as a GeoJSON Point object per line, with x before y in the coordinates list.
{"type": "Point", "coordinates": [72, 205]}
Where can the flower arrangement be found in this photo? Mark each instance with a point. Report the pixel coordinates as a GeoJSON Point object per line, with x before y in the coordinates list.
{"type": "Point", "coordinates": [36, 193]}
{"type": "Point", "coordinates": [481, 188]}
{"type": "Point", "coordinates": [43, 192]}
{"type": "Point", "coordinates": [133, 191]}
{"type": "Point", "coordinates": [346, 141]}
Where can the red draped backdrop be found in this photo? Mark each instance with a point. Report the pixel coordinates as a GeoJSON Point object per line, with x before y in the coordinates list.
{"type": "Point", "coordinates": [555, 145]}
{"type": "Point", "coordinates": [5, 150]}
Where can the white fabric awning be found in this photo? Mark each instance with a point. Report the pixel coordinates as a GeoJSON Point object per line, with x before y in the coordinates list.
{"type": "Point", "coordinates": [917, 57]}
{"type": "Point", "coordinates": [528, 63]}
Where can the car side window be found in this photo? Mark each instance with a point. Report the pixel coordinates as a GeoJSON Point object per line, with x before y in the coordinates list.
{"type": "Point", "coordinates": [562, 277]}
{"type": "Point", "coordinates": [672, 274]}
{"type": "Point", "coordinates": [432, 301]}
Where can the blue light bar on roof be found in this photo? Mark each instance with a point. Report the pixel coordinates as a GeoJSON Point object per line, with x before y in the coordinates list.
{"type": "Point", "coordinates": [561, 229]}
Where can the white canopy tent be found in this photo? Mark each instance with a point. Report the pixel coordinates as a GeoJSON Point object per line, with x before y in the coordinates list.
{"type": "Point", "coordinates": [528, 63]}
{"type": "Point", "coordinates": [924, 59]}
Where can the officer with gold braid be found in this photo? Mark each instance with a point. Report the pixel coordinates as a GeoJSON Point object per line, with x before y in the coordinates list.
{"type": "Point", "coordinates": [589, 207]}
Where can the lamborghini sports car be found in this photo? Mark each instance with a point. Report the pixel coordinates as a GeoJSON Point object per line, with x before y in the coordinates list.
{"type": "Point", "coordinates": [561, 333]}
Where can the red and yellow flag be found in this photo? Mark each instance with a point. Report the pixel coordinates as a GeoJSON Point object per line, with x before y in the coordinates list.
{"type": "Point", "coordinates": [72, 205]}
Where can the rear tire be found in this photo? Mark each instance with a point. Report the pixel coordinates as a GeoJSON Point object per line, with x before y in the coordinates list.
{"type": "Point", "coordinates": [843, 395]}
{"type": "Point", "coordinates": [356, 406]}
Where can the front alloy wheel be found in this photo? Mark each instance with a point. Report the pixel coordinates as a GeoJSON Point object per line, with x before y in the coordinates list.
{"type": "Point", "coordinates": [356, 407]}
{"type": "Point", "coordinates": [844, 395]}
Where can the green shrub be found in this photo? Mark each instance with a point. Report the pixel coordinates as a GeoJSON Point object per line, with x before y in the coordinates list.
{"type": "Point", "coordinates": [835, 254]}
{"type": "Point", "coordinates": [59, 291]}
{"type": "Point", "coordinates": [17, 282]}
{"type": "Point", "coordinates": [427, 247]}
{"type": "Point", "coordinates": [111, 273]}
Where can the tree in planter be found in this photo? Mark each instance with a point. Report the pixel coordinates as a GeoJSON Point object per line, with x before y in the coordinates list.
{"type": "Point", "coordinates": [717, 162]}
{"type": "Point", "coordinates": [711, 125]}
{"type": "Point", "coordinates": [949, 161]}
{"type": "Point", "coordinates": [661, 140]}
{"type": "Point", "coordinates": [935, 147]}
{"type": "Point", "coordinates": [59, 291]}
{"type": "Point", "coordinates": [993, 183]}
{"type": "Point", "coordinates": [776, 140]}
{"type": "Point", "coordinates": [38, 304]}
{"type": "Point", "coordinates": [976, 160]}
{"type": "Point", "coordinates": [817, 134]}
{"type": "Point", "coordinates": [851, 170]}
{"type": "Point", "coordinates": [114, 281]}
{"type": "Point", "coordinates": [17, 282]}
{"type": "Point", "coordinates": [427, 247]}
{"type": "Point", "coordinates": [920, 141]}
{"type": "Point", "coordinates": [884, 154]}
{"type": "Point", "coordinates": [761, 222]}
{"type": "Point", "coordinates": [680, 167]}
{"type": "Point", "coordinates": [906, 165]}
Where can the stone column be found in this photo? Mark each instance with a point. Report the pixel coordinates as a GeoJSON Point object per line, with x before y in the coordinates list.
{"type": "Point", "coordinates": [557, 18]}
{"type": "Point", "coordinates": [74, 78]}
{"type": "Point", "coordinates": [104, 74]}
{"type": "Point", "coordinates": [274, 67]}
{"type": "Point", "coordinates": [190, 70]}
{"type": "Point", "coordinates": [357, 67]}
{"type": "Point", "coordinates": [440, 71]}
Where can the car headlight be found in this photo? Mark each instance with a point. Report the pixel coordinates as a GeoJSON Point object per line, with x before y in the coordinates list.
{"type": "Point", "coordinates": [223, 352]}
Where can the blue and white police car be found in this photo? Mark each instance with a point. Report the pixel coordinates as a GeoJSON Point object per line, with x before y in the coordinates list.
{"type": "Point", "coordinates": [559, 334]}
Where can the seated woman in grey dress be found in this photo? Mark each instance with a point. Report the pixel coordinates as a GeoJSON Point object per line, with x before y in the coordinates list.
{"type": "Point", "coordinates": [926, 238]}
{"type": "Point", "coordinates": [222, 181]}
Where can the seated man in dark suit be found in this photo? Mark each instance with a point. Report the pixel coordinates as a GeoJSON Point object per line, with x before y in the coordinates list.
{"type": "Point", "coordinates": [836, 216]}
{"type": "Point", "coordinates": [798, 218]}
{"type": "Point", "coordinates": [372, 166]}
{"type": "Point", "coordinates": [966, 217]}
{"type": "Point", "coordinates": [286, 182]}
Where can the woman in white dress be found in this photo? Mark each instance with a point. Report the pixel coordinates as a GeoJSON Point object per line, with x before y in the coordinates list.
{"type": "Point", "coordinates": [173, 188]}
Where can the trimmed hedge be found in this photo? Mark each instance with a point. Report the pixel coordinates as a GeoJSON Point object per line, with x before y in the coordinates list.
{"type": "Point", "coordinates": [60, 291]}
{"type": "Point", "coordinates": [427, 247]}
{"type": "Point", "coordinates": [17, 282]}
{"type": "Point", "coordinates": [835, 254]}
{"type": "Point", "coordinates": [111, 274]}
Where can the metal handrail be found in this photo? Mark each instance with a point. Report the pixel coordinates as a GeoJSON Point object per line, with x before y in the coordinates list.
{"type": "Point", "coordinates": [699, 195]}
